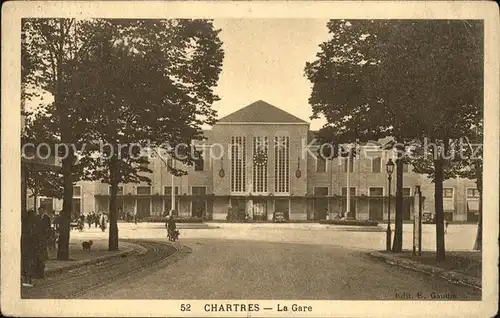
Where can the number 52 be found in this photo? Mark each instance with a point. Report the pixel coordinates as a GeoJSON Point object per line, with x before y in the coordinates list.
{"type": "Point", "coordinates": [185, 307]}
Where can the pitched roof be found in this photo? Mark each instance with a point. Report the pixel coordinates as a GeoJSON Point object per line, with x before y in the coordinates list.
{"type": "Point", "coordinates": [261, 112]}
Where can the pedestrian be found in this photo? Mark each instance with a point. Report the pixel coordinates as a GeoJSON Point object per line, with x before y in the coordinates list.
{"type": "Point", "coordinates": [171, 227]}
{"type": "Point", "coordinates": [89, 219]}
{"type": "Point", "coordinates": [96, 219]}
{"type": "Point", "coordinates": [28, 241]}
{"type": "Point", "coordinates": [102, 221]}
{"type": "Point", "coordinates": [445, 224]}
{"type": "Point", "coordinates": [46, 224]}
{"type": "Point", "coordinates": [57, 221]}
{"type": "Point", "coordinates": [42, 232]}
{"type": "Point", "coordinates": [135, 218]}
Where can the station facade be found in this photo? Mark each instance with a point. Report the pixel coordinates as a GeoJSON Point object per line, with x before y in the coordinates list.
{"type": "Point", "coordinates": [256, 161]}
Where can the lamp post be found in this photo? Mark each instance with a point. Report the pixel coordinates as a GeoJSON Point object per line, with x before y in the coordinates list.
{"type": "Point", "coordinates": [389, 169]}
{"type": "Point", "coordinates": [172, 192]}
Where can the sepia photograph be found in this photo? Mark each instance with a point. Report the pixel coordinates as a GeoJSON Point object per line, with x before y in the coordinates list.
{"type": "Point", "coordinates": [250, 165]}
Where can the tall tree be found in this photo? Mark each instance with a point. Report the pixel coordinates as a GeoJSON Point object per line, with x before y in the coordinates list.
{"type": "Point", "coordinates": [464, 160]}
{"type": "Point", "coordinates": [355, 88]}
{"type": "Point", "coordinates": [148, 84]}
{"type": "Point", "coordinates": [402, 78]}
{"type": "Point", "coordinates": [52, 50]}
{"type": "Point", "coordinates": [449, 91]}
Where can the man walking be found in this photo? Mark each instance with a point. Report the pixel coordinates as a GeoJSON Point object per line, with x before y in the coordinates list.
{"type": "Point", "coordinates": [89, 218]}
{"type": "Point", "coordinates": [42, 235]}
{"type": "Point", "coordinates": [96, 219]}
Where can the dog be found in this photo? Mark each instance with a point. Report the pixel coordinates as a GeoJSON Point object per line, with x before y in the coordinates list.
{"type": "Point", "coordinates": [87, 245]}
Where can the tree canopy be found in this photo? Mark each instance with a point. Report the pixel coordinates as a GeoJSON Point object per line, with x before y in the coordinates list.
{"type": "Point", "coordinates": [120, 85]}
{"type": "Point", "coordinates": [407, 79]}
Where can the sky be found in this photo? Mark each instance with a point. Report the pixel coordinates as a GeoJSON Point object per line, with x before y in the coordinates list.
{"type": "Point", "coordinates": [264, 59]}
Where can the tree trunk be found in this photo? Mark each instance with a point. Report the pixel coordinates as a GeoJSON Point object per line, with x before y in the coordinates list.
{"type": "Point", "coordinates": [113, 219]}
{"type": "Point", "coordinates": [478, 244]}
{"type": "Point", "coordinates": [438, 208]}
{"type": "Point", "coordinates": [67, 162]}
{"type": "Point", "coordinates": [35, 197]}
{"type": "Point", "coordinates": [65, 216]}
{"type": "Point", "coordinates": [24, 189]}
{"type": "Point", "coordinates": [397, 245]}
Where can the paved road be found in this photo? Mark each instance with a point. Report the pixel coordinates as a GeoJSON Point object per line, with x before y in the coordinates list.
{"type": "Point", "coordinates": [301, 261]}
{"type": "Point", "coordinates": [236, 269]}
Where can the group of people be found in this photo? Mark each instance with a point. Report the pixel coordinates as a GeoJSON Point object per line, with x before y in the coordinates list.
{"type": "Point", "coordinates": [36, 234]}
{"type": "Point", "coordinates": [130, 217]}
{"type": "Point", "coordinates": [98, 219]}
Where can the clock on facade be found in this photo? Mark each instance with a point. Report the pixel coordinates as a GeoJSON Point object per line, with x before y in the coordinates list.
{"type": "Point", "coordinates": [260, 158]}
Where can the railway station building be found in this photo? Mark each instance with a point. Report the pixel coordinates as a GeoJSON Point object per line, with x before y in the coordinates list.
{"type": "Point", "coordinates": [256, 161]}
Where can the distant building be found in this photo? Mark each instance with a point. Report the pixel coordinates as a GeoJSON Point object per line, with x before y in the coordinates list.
{"type": "Point", "coordinates": [266, 173]}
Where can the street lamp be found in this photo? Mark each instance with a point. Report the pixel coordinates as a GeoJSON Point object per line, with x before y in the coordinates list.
{"type": "Point", "coordinates": [389, 169]}
{"type": "Point", "coordinates": [222, 174]}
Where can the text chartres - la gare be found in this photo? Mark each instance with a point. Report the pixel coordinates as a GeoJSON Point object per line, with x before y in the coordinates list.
{"type": "Point", "coordinates": [253, 308]}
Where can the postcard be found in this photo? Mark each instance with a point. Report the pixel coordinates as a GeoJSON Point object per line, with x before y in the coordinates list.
{"type": "Point", "coordinates": [250, 159]}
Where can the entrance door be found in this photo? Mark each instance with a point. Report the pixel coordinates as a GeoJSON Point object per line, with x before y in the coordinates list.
{"type": "Point", "coordinates": [199, 205]}
{"type": "Point", "coordinates": [321, 204]}
{"type": "Point", "coordinates": [376, 204]}
{"type": "Point", "coordinates": [143, 207]}
{"type": "Point", "coordinates": [281, 206]}
{"type": "Point", "coordinates": [260, 210]}
{"type": "Point", "coordinates": [238, 208]}
{"type": "Point", "coordinates": [199, 208]}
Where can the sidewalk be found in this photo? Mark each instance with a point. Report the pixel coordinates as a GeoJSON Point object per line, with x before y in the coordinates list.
{"type": "Point", "coordinates": [161, 225]}
{"type": "Point", "coordinates": [463, 267]}
{"type": "Point", "coordinates": [79, 257]}
{"type": "Point", "coordinates": [301, 226]}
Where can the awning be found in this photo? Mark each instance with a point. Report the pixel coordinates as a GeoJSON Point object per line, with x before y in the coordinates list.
{"type": "Point", "coordinates": [473, 206]}
{"type": "Point", "coordinates": [448, 205]}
